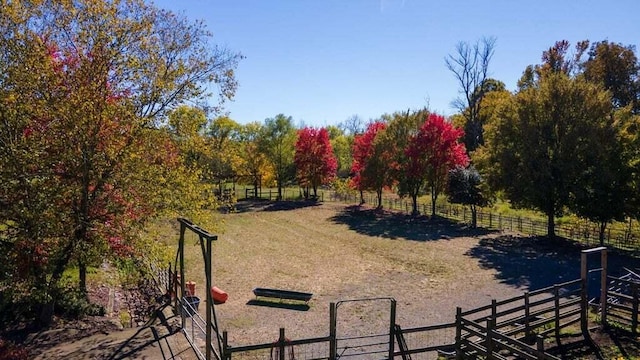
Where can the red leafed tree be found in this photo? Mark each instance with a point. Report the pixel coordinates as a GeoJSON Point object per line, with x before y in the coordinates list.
{"type": "Point", "coordinates": [432, 152]}
{"type": "Point", "coordinates": [373, 161]}
{"type": "Point", "coordinates": [315, 163]}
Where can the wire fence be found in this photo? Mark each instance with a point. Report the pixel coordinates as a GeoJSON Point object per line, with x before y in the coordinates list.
{"type": "Point", "coordinates": [622, 236]}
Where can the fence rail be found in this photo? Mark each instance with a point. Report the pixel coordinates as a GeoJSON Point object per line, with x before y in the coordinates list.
{"type": "Point", "coordinates": [623, 302]}
{"type": "Point", "coordinates": [624, 237]}
{"type": "Point", "coordinates": [507, 325]}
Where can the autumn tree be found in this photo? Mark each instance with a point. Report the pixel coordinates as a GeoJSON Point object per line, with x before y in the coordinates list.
{"type": "Point", "coordinates": [225, 157]}
{"type": "Point", "coordinates": [542, 142]}
{"type": "Point", "coordinates": [401, 128]}
{"type": "Point", "coordinates": [315, 162]}
{"type": "Point", "coordinates": [341, 143]}
{"type": "Point", "coordinates": [84, 167]}
{"type": "Point", "coordinates": [431, 153]}
{"type": "Point", "coordinates": [277, 142]}
{"type": "Point", "coordinates": [373, 162]}
{"type": "Point", "coordinates": [253, 163]}
{"type": "Point", "coordinates": [470, 67]}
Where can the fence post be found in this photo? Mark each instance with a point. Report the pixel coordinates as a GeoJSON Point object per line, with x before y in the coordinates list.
{"type": "Point", "coordinates": [540, 346]}
{"type": "Point", "coordinates": [603, 286]}
{"type": "Point", "coordinates": [281, 343]}
{"type": "Point", "coordinates": [392, 327]}
{"type": "Point", "coordinates": [634, 311]}
{"type": "Point", "coordinates": [556, 295]}
{"type": "Point", "coordinates": [494, 308]}
{"type": "Point", "coordinates": [583, 295]}
{"type": "Point", "coordinates": [458, 333]}
{"type": "Point", "coordinates": [225, 345]}
{"type": "Point", "coordinates": [527, 315]}
{"type": "Point", "coordinates": [491, 322]}
{"type": "Point", "coordinates": [333, 343]}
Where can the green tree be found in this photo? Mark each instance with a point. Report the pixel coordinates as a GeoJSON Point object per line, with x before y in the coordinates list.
{"type": "Point", "coordinates": [224, 135]}
{"type": "Point", "coordinates": [83, 165]}
{"type": "Point", "coordinates": [465, 187]}
{"type": "Point", "coordinates": [541, 139]}
{"type": "Point", "coordinates": [253, 163]}
{"type": "Point", "coordinates": [616, 68]}
{"type": "Point", "coordinates": [277, 142]}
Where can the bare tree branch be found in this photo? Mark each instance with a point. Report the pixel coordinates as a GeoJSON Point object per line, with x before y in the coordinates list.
{"type": "Point", "coordinates": [470, 66]}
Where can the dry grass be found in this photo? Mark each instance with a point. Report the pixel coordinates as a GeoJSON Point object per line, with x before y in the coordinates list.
{"type": "Point", "coordinates": [338, 253]}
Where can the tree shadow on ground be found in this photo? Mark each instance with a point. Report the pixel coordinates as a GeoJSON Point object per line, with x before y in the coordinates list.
{"type": "Point", "coordinates": [538, 262]}
{"type": "Point", "coordinates": [266, 205]}
{"type": "Point", "coordinates": [149, 341]}
{"type": "Point", "coordinates": [395, 225]}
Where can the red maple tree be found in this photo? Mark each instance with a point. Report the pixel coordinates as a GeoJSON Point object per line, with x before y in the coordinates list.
{"type": "Point", "coordinates": [432, 152]}
{"type": "Point", "coordinates": [315, 162]}
{"type": "Point", "coordinates": [373, 161]}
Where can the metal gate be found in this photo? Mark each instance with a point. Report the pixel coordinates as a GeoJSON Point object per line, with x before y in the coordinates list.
{"type": "Point", "coordinates": [364, 328]}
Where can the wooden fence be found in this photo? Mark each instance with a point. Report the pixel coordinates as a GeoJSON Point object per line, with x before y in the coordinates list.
{"type": "Point", "coordinates": [622, 303]}
{"type": "Point", "coordinates": [520, 326]}
{"type": "Point", "coordinates": [512, 325]}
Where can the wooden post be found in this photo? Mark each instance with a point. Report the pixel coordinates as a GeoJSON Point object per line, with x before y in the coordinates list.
{"type": "Point", "coordinates": [527, 315]}
{"type": "Point", "coordinates": [583, 295]}
{"type": "Point", "coordinates": [491, 322]}
{"type": "Point", "coordinates": [494, 308]}
{"type": "Point", "coordinates": [333, 343]}
{"type": "Point", "coordinates": [603, 287]}
{"type": "Point", "coordinates": [225, 346]}
{"type": "Point", "coordinates": [209, 306]}
{"type": "Point", "coordinates": [392, 327]}
{"type": "Point", "coordinates": [179, 297]}
{"type": "Point", "coordinates": [634, 311]}
{"type": "Point", "coordinates": [458, 333]}
{"type": "Point", "coordinates": [540, 346]}
{"type": "Point", "coordinates": [556, 295]}
{"type": "Point", "coordinates": [281, 343]}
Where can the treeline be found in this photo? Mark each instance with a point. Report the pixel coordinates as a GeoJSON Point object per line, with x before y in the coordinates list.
{"type": "Point", "coordinates": [564, 142]}
{"type": "Point", "coordinates": [96, 140]}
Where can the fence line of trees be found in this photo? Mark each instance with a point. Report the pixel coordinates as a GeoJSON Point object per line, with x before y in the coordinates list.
{"type": "Point", "coordinates": [623, 236]}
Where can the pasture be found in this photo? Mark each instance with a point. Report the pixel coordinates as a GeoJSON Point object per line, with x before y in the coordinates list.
{"type": "Point", "coordinates": [339, 252]}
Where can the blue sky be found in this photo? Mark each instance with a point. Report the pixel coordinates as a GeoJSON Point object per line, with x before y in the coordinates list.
{"type": "Point", "coordinates": [324, 61]}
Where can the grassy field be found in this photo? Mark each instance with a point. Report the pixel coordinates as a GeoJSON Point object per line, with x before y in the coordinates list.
{"type": "Point", "coordinates": [339, 252]}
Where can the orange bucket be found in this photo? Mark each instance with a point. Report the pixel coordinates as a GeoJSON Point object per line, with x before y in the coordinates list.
{"type": "Point", "coordinates": [219, 296]}
{"type": "Point", "coordinates": [191, 288]}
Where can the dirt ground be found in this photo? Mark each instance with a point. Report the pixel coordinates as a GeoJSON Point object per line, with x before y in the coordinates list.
{"type": "Point", "coordinates": [339, 252]}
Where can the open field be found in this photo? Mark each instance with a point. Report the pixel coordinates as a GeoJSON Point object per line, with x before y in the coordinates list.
{"type": "Point", "coordinates": [339, 252]}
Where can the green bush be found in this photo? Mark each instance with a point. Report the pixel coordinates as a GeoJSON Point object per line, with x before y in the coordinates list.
{"type": "Point", "coordinates": [73, 303]}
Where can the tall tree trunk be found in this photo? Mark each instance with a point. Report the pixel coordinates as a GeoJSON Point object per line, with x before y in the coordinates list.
{"type": "Point", "coordinates": [379, 194]}
{"type": "Point", "coordinates": [434, 198]}
{"type": "Point", "coordinates": [414, 204]}
{"type": "Point", "coordinates": [361, 197]}
{"type": "Point", "coordinates": [551, 225]}
{"type": "Point", "coordinates": [603, 227]}
{"type": "Point", "coordinates": [48, 306]}
{"type": "Point", "coordinates": [82, 274]}
{"type": "Point", "coordinates": [474, 216]}
{"type": "Point", "coordinates": [255, 187]}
